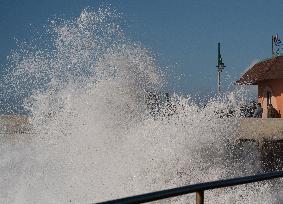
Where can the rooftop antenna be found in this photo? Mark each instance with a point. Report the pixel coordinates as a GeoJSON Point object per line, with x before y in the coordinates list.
{"type": "Point", "coordinates": [276, 44]}
{"type": "Point", "coordinates": [220, 67]}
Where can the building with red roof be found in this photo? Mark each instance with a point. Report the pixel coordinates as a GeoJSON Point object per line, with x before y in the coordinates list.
{"type": "Point", "coordinates": [268, 75]}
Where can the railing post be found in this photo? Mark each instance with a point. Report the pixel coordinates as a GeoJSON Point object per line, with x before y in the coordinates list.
{"type": "Point", "coordinates": [200, 197]}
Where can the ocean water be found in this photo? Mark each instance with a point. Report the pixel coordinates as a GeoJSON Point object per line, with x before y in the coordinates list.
{"type": "Point", "coordinates": [93, 135]}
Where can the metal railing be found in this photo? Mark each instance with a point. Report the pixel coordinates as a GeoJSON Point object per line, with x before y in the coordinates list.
{"type": "Point", "coordinates": [195, 188]}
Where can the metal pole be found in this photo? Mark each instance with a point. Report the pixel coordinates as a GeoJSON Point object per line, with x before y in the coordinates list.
{"type": "Point", "coordinates": [220, 66]}
{"type": "Point", "coordinates": [200, 197]}
{"type": "Point", "coordinates": [218, 82]}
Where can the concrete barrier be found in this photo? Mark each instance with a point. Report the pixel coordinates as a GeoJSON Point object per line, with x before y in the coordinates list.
{"type": "Point", "coordinates": [267, 135]}
{"type": "Point", "coordinates": [11, 124]}
{"type": "Point", "coordinates": [261, 129]}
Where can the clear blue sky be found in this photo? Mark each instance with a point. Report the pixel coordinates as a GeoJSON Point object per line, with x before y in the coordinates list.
{"type": "Point", "coordinates": [183, 33]}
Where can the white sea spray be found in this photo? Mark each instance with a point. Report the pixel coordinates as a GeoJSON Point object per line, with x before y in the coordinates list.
{"type": "Point", "coordinates": [94, 137]}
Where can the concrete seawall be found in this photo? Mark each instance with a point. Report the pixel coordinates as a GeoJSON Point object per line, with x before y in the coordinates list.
{"type": "Point", "coordinates": [15, 129]}
{"type": "Point", "coordinates": [261, 129]}
{"type": "Point", "coordinates": [267, 135]}
{"type": "Point", "coordinates": [11, 124]}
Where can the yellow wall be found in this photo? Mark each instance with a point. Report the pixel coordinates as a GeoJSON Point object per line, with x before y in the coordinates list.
{"type": "Point", "coordinates": [276, 88]}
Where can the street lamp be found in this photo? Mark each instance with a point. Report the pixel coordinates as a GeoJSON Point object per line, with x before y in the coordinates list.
{"type": "Point", "coordinates": [220, 67]}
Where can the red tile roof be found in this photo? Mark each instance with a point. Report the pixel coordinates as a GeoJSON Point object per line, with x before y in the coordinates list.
{"type": "Point", "coordinates": [265, 70]}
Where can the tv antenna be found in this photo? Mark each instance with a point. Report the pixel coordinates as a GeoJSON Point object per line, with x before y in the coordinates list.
{"type": "Point", "coordinates": [276, 45]}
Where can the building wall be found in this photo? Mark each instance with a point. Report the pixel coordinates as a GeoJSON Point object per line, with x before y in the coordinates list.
{"type": "Point", "coordinates": [276, 88]}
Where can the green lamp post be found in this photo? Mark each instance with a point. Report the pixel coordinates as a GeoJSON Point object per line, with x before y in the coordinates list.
{"type": "Point", "coordinates": [220, 67]}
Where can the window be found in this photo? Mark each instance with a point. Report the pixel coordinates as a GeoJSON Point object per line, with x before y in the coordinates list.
{"type": "Point", "coordinates": [268, 97]}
